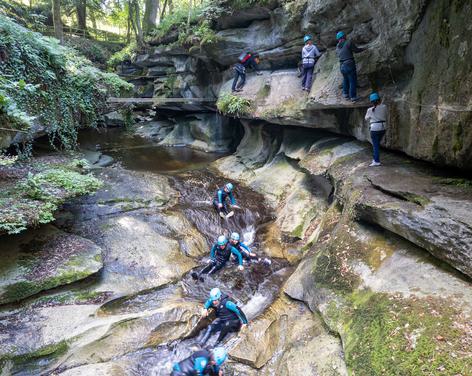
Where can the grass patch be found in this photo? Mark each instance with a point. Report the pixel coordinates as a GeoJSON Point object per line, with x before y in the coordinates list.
{"type": "Point", "coordinates": [233, 105]}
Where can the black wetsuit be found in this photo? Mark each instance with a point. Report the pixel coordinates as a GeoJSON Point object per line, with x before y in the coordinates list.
{"type": "Point", "coordinates": [195, 365]}
{"type": "Point", "coordinates": [229, 318]}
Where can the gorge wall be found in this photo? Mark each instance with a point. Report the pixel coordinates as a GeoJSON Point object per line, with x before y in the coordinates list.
{"type": "Point", "coordinates": [417, 56]}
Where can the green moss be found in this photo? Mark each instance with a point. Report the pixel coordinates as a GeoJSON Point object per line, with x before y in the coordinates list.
{"type": "Point", "coordinates": [55, 350]}
{"type": "Point", "coordinates": [391, 335]}
{"type": "Point", "coordinates": [263, 92]}
{"type": "Point", "coordinates": [458, 137]}
{"type": "Point", "coordinates": [19, 291]}
{"type": "Point", "coordinates": [458, 182]}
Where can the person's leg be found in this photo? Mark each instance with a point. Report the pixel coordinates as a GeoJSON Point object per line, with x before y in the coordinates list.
{"type": "Point", "coordinates": [228, 327]}
{"type": "Point", "coordinates": [374, 135]}
{"type": "Point", "coordinates": [309, 78]}
{"type": "Point", "coordinates": [345, 81]}
{"type": "Point", "coordinates": [217, 266]}
{"type": "Point", "coordinates": [235, 81]}
{"type": "Point", "coordinates": [243, 80]}
{"type": "Point", "coordinates": [304, 75]}
{"type": "Point", "coordinates": [208, 268]}
{"type": "Point", "coordinates": [353, 82]}
{"type": "Point", "coordinates": [213, 328]}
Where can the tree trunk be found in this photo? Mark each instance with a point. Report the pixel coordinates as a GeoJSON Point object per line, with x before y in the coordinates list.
{"type": "Point", "coordinates": [163, 11]}
{"type": "Point", "coordinates": [171, 7]}
{"type": "Point", "coordinates": [150, 15]}
{"type": "Point", "coordinates": [56, 17]}
{"type": "Point", "coordinates": [94, 20]}
{"type": "Point", "coordinates": [81, 8]}
{"type": "Point", "coordinates": [137, 23]}
{"type": "Point", "coordinates": [189, 13]}
{"type": "Point", "coordinates": [128, 26]}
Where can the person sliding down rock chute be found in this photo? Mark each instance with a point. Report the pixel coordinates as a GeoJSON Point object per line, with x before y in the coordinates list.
{"type": "Point", "coordinates": [229, 317]}
{"type": "Point", "coordinates": [219, 255]}
{"type": "Point", "coordinates": [245, 250]}
{"type": "Point", "coordinates": [202, 363]}
{"type": "Point", "coordinates": [220, 202]}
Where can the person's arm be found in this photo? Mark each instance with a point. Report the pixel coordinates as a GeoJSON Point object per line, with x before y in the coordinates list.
{"type": "Point", "coordinates": [245, 247]}
{"type": "Point", "coordinates": [212, 252]}
{"type": "Point", "coordinates": [317, 52]}
{"type": "Point", "coordinates": [207, 304]}
{"type": "Point", "coordinates": [368, 114]}
{"type": "Point", "coordinates": [238, 254]}
{"type": "Point", "coordinates": [354, 48]}
{"type": "Point", "coordinates": [231, 197]}
{"type": "Point", "coordinates": [234, 308]}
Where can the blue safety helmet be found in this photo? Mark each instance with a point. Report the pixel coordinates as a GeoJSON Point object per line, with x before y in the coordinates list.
{"type": "Point", "coordinates": [215, 294]}
{"type": "Point", "coordinates": [219, 355]}
{"type": "Point", "coordinates": [235, 236]}
{"type": "Point", "coordinates": [340, 35]}
{"type": "Point", "coordinates": [229, 187]}
{"type": "Point", "coordinates": [374, 97]}
{"type": "Point", "coordinates": [307, 38]}
{"type": "Point", "coordinates": [222, 240]}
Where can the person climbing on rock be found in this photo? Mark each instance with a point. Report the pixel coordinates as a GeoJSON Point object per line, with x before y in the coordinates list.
{"type": "Point", "coordinates": [245, 250]}
{"type": "Point", "coordinates": [310, 54]}
{"type": "Point", "coordinates": [377, 117]}
{"type": "Point", "coordinates": [229, 317]}
{"type": "Point", "coordinates": [220, 200]}
{"type": "Point", "coordinates": [219, 255]}
{"type": "Point", "coordinates": [202, 363]}
{"type": "Point", "coordinates": [345, 50]}
{"type": "Point", "coordinates": [246, 60]}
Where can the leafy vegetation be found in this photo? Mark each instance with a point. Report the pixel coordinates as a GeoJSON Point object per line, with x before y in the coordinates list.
{"type": "Point", "coordinates": [233, 105]}
{"type": "Point", "coordinates": [45, 83]}
{"type": "Point", "coordinates": [123, 55]}
{"type": "Point", "coordinates": [34, 197]}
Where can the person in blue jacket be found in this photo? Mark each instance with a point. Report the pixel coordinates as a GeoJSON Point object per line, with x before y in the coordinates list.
{"type": "Point", "coordinates": [219, 255]}
{"type": "Point", "coordinates": [222, 196]}
{"type": "Point", "coordinates": [229, 317]}
{"type": "Point", "coordinates": [202, 363]}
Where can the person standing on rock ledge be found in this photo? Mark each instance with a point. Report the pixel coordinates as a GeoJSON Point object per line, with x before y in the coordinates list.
{"type": "Point", "coordinates": [377, 117]}
{"type": "Point", "coordinates": [246, 60]}
{"type": "Point", "coordinates": [345, 50]}
{"type": "Point", "coordinates": [310, 54]}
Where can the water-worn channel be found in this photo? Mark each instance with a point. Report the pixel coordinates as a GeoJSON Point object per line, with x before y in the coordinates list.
{"type": "Point", "coordinates": [154, 223]}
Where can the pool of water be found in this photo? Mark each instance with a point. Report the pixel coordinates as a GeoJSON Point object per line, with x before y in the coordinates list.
{"type": "Point", "coordinates": [141, 154]}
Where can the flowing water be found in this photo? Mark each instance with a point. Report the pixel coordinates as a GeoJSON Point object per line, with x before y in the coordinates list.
{"type": "Point", "coordinates": [254, 289]}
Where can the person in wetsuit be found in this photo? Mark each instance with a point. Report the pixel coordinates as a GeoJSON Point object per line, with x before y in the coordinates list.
{"type": "Point", "coordinates": [245, 251]}
{"type": "Point", "coordinates": [229, 317]}
{"type": "Point", "coordinates": [220, 254]}
{"type": "Point", "coordinates": [222, 196]}
{"type": "Point", "coordinates": [201, 363]}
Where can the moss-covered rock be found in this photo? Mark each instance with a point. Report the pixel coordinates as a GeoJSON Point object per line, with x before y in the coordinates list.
{"type": "Point", "coordinates": [45, 259]}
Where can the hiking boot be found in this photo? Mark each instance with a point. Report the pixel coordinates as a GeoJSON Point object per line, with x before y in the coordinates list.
{"type": "Point", "coordinates": [345, 96]}
{"type": "Point", "coordinates": [355, 99]}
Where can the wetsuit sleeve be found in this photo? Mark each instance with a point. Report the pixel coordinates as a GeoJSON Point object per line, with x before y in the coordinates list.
{"type": "Point", "coordinates": [212, 252]}
{"type": "Point", "coordinates": [231, 197]}
{"type": "Point", "coordinates": [207, 304]}
{"type": "Point", "coordinates": [234, 308]}
{"type": "Point", "coordinates": [238, 254]}
{"type": "Point", "coordinates": [245, 247]}
{"type": "Point", "coordinates": [220, 196]}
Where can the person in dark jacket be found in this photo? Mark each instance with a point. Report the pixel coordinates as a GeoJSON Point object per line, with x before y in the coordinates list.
{"type": "Point", "coordinates": [248, 61]}
{"type": "Point", "coordinates": [202, 363]}
{"type": "Point", "coordinates": [248, 255]}
{"type": "Point", "coordinates": [219, 255]}
{"type": "Point", "coordinates": [229, 317]}
{"type": "Point", "coordinates": [345, 50]}
{"type": "Point", "coordinates": [309, 56]}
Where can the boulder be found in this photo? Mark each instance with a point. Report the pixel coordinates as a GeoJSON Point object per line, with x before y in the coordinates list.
{"type": "Point", "coordinates": [43, 259]}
